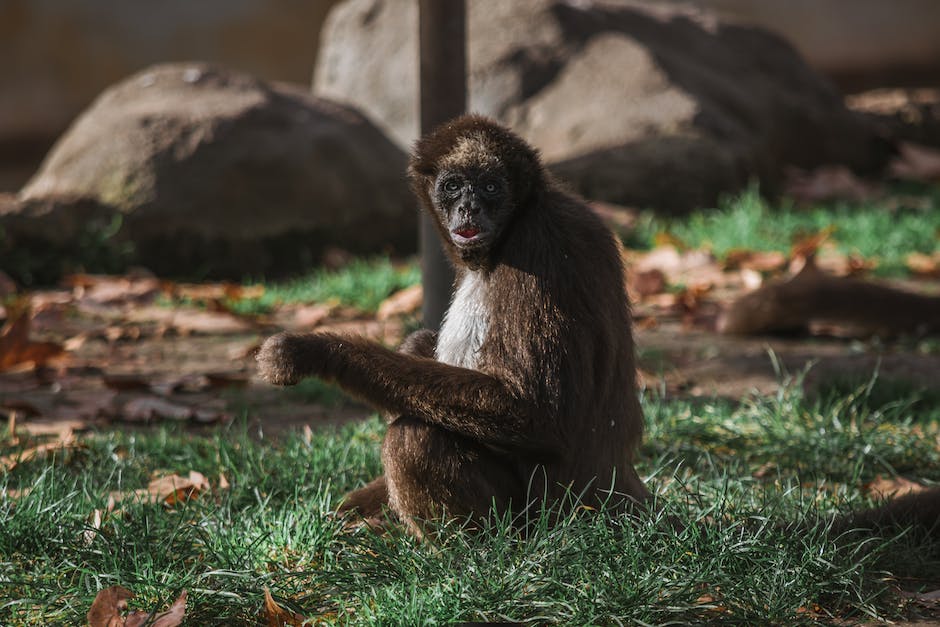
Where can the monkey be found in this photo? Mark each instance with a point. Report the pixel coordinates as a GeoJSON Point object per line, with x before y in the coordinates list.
{"type": "Point", "coordinates": [527, 394]}
{"type": "Point", "coordinates": [528, 391]}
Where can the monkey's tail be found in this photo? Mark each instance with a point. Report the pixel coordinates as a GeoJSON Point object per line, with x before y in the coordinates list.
{"type": "Point", "coordinates": [918, 511]}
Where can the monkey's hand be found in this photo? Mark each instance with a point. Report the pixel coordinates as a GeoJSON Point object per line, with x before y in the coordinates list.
{"type": "Point", "coordinates": [286, 358]}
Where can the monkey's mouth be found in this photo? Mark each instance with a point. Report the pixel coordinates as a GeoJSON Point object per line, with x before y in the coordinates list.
{"type": "Point", "coordinates": [465, 234]}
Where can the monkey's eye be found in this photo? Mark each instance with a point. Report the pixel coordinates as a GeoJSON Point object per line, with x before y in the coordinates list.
{"type": "Point", "coordinates": [451, 186]}
{"type": "Point", "coordinates": [490, 188]}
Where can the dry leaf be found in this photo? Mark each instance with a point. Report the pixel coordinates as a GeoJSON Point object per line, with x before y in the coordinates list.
{"type": "Point", "coordinates": [215, 291]}
{"type": "Point", "coordinates": [147, 408]}
{"type": "Point", "coordinates": [9, 462]}
{"type": "Point", "coordinates": [751, 279]}
{"type": "Point", "coordinates": [404, 301]}
{"type": "Point", "coordinates": [307, 316]}
{"type": "Point", "coordinates": [113, 290]}
{"type": "Point", "coordinates": [916, 162]}
{"type": "Point", "coordinates": [16, 348]}
{"type": "Point", "coordinates": [924, 265]}
{"type": "Point", "coordinates": [892, 487]}
{"type": "Point", "coordinates": [807, 245]}
{"type": "Point", "coordinates": [645, 283]}
{"type": "Point", "coordinates": [174, 489]}
{"type": "Point", "coordinates": [125, 382]}
{"type": "Point", "coordinates": [828, 182]}
{"type": "Point", "coordinates": [187, 320]}
{"type": "Point", "coordinates": [109, 605]}
{"type": "Point", "coordinates": [169, 490]}
{"type": "Point", "coordinates": [59, 428]}
{"type": "Point", "coordinates": [668, 240]}
{"type": "Point", "coordinates": [757, 260]}
{"type": "Point", "coordinates": [75, 342]}
{"type": "Point", "coordinates": [277, 616]}
{"type": "Point", "coordinates": [94, 524]}
{"type": "Point", "coordinates": [227, 379]}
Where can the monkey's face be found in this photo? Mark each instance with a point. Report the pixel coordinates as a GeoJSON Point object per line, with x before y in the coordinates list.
{"type": "Point", "coordinates": [473, 205]}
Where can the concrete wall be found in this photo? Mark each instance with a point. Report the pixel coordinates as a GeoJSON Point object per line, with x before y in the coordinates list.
{"type": "Point", "coordinates": [859, 43]}
{"type": "Point", "coordinates": [57, 55]}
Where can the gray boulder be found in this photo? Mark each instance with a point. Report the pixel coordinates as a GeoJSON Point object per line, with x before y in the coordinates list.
{"type": "Point", "coordinates": [214, 172]}
{"type": "Point", "coordinates": [646, 105]}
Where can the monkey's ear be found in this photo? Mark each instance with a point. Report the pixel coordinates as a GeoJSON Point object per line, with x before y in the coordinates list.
{"type": "Point", "coordinates": [423, 162]}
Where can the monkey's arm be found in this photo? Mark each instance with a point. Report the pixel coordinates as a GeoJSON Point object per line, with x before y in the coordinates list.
{"type": "Point", "coordinates": [468, 402]}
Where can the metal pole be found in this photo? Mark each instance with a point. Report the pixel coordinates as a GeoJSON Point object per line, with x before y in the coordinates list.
{"type": "Point", "coordinates": [443, 77]}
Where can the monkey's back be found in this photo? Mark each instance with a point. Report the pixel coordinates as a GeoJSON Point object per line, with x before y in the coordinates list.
{"type": "Point", "coordinates": [561, 336]}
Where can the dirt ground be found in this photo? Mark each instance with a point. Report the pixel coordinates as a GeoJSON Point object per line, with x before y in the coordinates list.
{"type": "Point", "coordinates": [127, 365]}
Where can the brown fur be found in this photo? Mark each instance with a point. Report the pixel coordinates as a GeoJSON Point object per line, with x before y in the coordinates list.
{"type": "Point", "coordinates": [551, 404]}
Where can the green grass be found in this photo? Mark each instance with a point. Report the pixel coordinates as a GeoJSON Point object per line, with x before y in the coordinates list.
{"type": "Point", "coordinates": [363, 284]}
{"type": "Point", "coordinates": [746, 221]}
{"type": "Point", "coordinates": [272, 529]}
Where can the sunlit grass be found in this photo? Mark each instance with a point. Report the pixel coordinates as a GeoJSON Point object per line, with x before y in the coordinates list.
{"type": "Point", "coordinates": [871, 230]}
{"type": "Point", "coordinates": [363, 284]}
{"type": "Point", "coordinates": [733, 475]}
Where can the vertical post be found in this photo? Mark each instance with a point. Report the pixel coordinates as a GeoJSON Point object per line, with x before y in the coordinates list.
{"type": "Point", "coordinates": [443, 77]}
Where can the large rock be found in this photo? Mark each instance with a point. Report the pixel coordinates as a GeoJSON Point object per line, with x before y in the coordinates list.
{"type": "Point", "coordinates": [660, 107]}
{"type": "Point", "coordinates": [216, 172]}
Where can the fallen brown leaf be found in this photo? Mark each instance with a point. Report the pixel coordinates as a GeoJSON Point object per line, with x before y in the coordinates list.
{"type": "Point", "coordinates": [186, 320]}
{"type": "Point", "coordinates": [109, 605]}
{"type": "Point", "coordinates": [227, 379]}
{"type": "Point", "coordinates": [916, 162]}
{"type": "Point", "coordinates": [307, 316]}
{"type": "Point", "coordinates": [667, 240]}
{"type": "Point", "coordinates": [807, 244]}
{"type": "Point", "coordinates": [645, 283]}
{"type": "Point", "coordinates": [15, 346]}
{"type": "Point", "coordinates": [169, 489]}
{"type": "Point", "coordinates": [924, 265]}
{"type": "Point", "coordinates": [404, 301]}
{"type": "Point", "coordinates": [758, 260]}
{"type": "Point", "coordinates": [114, 290]}
{"type": "Point", "coordinates": [751, 279]}
{"type": "Point", "coordinates": [828, 182]}
{"type": "Point", "coordinates": [147, 408]}
{"type": "Point", "coordinates": [125, 382]}
{"type": "Point", "coordinates": [43, 428]}
{"type": "Point", "coordinates": [215, 291]}
{"type": "Point", "coordinates": [892, 487]}
{"type": "Point", "coordinates": [174, 489]}
{"type": "Point", "coordinates": [277, 616]}
{"type": "Point", "coordinates": [9, 462]}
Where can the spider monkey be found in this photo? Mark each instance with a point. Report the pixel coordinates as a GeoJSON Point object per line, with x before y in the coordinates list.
{"type": "Point", "coordinates": [528, 391]}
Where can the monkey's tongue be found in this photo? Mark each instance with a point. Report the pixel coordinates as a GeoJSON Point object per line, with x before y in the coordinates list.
{"type": "Point", "coordinates": [467, 232]}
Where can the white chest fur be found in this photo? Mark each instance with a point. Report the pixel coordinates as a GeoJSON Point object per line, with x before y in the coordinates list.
{"type": "Point", "coordinates": [465, 324]}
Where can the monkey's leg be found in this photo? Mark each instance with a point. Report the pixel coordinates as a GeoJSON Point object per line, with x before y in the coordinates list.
{"type": "Point", "coordinates": [432, 472]}
{"type": "Point", "coordinates": [368, 501]}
